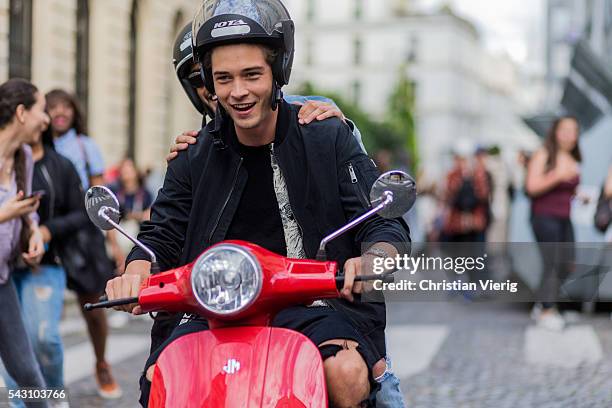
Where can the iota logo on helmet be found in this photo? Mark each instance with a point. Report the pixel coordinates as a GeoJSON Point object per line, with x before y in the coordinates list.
{"type": "Point", "coordinates": [229, 23]}
{"type": "Point", "coordinates": [231, 27]}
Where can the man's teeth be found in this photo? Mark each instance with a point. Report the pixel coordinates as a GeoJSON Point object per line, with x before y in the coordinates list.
{"type": "Point", "coordinates": [243, 106]}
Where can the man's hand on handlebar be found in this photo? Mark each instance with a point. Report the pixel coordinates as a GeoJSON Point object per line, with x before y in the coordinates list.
{"type": "Point", "coordinates": [364, 265]}
{"type": "Point", "coordinates": [128, 285]}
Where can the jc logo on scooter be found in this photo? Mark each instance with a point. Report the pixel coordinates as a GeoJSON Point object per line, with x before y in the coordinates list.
{"type": "Point", "coordinates": [232, 366]}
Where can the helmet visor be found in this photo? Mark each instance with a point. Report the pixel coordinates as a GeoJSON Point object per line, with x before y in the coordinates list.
{"type": "Point", "coordinates": [267, 13]}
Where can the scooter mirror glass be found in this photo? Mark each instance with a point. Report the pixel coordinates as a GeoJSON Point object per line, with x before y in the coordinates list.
{"type": "Point", "coordinates": [101, 204]}
{"type": "Point", "coordinates": [403, 188]}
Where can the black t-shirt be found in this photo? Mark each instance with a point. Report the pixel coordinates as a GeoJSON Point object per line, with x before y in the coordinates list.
{"type": "Point", "coordinates": [257, 218]}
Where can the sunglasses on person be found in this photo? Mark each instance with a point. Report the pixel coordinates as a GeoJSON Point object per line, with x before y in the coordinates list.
{"type": "Point", "coordinates": [195, 79]}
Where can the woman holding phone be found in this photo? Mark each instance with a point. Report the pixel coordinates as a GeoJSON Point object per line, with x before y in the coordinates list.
{"type": "Point", "coordinates": [22, 119]}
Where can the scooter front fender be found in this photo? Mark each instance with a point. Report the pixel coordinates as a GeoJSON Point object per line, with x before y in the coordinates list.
{"type": "Point", "coordinates": [248, 367]}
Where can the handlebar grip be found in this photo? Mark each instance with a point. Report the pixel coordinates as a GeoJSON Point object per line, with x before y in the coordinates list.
{"type": "Point", "coordinates": [111, 303]}
{"type": "Point", "coordinates": [385, 277]}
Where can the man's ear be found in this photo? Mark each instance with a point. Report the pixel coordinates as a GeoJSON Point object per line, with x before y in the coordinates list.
{"type": "Point", "coordinates": [20, 113]}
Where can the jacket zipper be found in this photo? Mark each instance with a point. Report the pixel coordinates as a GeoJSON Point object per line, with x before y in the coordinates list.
{"type": "Point", "coordinates": [288, 195]}
{"type": "Point", "coordinates": [355, 180]}
{"type": "Point", "coordinates": [226, 201]}
{"type": "Point", "coordinates": [352, 173]}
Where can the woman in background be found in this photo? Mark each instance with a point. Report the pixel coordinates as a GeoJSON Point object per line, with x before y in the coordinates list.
{"type": "Point", "coordinates": [22, 119]}
{"type": "Point", "coordinates": [553, 175]}
{"type": "Point", "coordinates": [135, 202]}
{"type": "Point", "coordinates": [70, 140]}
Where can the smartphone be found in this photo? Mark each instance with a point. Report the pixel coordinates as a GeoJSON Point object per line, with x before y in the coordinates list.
{"type": "Point", "coordinates": [37, 193]}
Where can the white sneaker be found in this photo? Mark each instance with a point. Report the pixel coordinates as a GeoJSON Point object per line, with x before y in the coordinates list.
{"type": "Point", "coordinates": [551, 320]}
{"type": "Point", "coordinates": [571, 317]}
{"type": "Point", "coordinates": [536, 312]}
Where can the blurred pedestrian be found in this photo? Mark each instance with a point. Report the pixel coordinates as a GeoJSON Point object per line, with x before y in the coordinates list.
{"type": "Point", "coordinates": [68, 128]}
{"type": "Point", "coordinates": [603, 213]}
{"type": "Point", "coordinates": [553, 175]}
{"type": "Point", "coordinates": [481, 156]}
{"type": "Point", "coordinates": [41, 291]}
{"type": "Point", "coordinates": [384, 160]}
{"type": "Point", "coordinates": [22, 119]}
{"type": "Point", "coordinates": [134, 199]}
{"type": "Point", "coordinates": [466, 196]}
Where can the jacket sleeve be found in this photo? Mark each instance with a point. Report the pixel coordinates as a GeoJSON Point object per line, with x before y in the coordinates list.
{"type": "Point", "coordinates": [356, 175]}
{"type": "Point", "coordinates": [75, 216]}
{"type": "Point", "coordinates": [165, 232]}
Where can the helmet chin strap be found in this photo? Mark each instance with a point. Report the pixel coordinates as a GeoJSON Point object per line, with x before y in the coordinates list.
{"type": "Point", "coordinates": [277, 95]}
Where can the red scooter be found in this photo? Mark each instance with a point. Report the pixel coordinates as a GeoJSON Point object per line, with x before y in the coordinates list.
{"type": "Point", "coordinates": [239, 287]}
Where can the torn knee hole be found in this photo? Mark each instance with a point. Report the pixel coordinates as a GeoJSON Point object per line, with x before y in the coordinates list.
{"type": "Point", "coordinates": [331, 349]}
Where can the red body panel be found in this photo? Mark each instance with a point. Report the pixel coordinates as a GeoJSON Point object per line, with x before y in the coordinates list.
{"type": "Point", "coordinates": [286, 282]}
{"type": "Point", "coordinates": [240, 367]}
{"type": "Point", "coordinates": [278, 368]}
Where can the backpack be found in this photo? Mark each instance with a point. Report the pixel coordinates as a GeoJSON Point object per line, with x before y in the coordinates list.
{"type": "Point", "coordinates": [465, 199]}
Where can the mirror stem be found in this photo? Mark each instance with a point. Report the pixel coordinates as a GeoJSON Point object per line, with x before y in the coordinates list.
{"type": "Point", "coordinates": [321, 254]}
{"type": "Point", "coordinates": [102, 213]}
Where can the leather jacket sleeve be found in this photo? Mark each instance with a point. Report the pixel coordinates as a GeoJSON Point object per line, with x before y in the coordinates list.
{"type": "Point", "coordinates": [356, 175]}
{"type": "Point", "coordinates": [165, 233]}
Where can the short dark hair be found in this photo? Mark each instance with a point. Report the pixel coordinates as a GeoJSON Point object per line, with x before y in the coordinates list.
{"type": "Point", "coordinates": [270, 54]}
{"type": "Point", "coordinates": [60, 96]}
{"type": "Point", "coordinates": [13, 93]}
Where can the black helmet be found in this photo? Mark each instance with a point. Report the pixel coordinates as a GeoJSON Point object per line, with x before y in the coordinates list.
{"type": "Point", "coordinates": [182, 58]}
{"type": "Point", "coordinates": [220, 22]}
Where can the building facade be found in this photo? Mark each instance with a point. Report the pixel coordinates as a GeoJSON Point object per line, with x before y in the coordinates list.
{"type": "Point", "coordinates": [116, 55]}
{"type": "Point", "coordinates": [568, 21]}
{"type": "Point", "coordinates": [357, 48]}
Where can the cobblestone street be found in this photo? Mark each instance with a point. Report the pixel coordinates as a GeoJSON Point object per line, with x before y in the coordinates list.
{"type": "Point", "coordinates": [455, 354]}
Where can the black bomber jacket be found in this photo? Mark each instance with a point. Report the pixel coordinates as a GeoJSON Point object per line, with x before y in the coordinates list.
{"type": "Point", "coordinates": [328, 178]}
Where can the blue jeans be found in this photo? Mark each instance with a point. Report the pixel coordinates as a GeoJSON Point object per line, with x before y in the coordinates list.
{"type": "Point", "coordinates": [41, 295]}
{"type": "Point", "coordinates": [16, 352]}
{"type": "Point", "coordinates": [389, 395]}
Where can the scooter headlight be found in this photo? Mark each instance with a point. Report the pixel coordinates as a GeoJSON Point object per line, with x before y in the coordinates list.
{"type": "Point", "coordinates": [226, 279]}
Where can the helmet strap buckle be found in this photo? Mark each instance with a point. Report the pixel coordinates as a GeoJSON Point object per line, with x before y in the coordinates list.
{"type": "Point", "coordinates": [277, 95]}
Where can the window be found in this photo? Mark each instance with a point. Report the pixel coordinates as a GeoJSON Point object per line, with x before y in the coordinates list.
{"type": "Point", "coordinates": [358, 11]}
{"type": "Point", "coordinates": [309, 52]}
{"type": "Point", "coordinates": [357, 50]}
{"type": "Point", "coordinates": [131, 142]}
{"type": "Point", "coordinates": [20, 39]}
{"type": "Point", "coordinates": [82, 53]}
{"type": "Point", "coordinates": [310, 10]}
{"type": "Point", "coordinates": [412, 50]}
{"type": "Point", "coordinates": [356, 92]}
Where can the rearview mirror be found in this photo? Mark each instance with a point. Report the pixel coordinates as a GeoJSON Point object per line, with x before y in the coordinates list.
{"type": "Point", "coordinates": [391, 196]}
{"type": "Point", "coordinates": [101, 205]}
{"type": "Point", "coordinates": [403, 190]}
{"type": "Point", "coordinates": [103, 210]}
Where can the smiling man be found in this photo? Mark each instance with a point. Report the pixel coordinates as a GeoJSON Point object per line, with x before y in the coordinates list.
{"type": "Point", "coordinates": [256, 174]}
